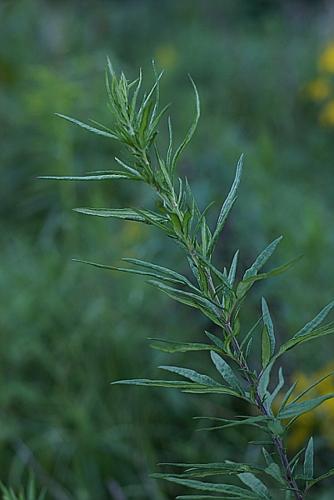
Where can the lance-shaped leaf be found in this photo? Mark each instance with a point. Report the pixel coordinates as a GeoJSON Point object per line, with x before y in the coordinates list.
{"type": "Point", "coordinates": [276, 271]}
{"type": "Point", "coordinates": [327, 474]}
{"type": "Point", "coordinates": [233, 491]}
{"type": "Point", "coordinates": [308, 460]}
{"type": "Point", "coordinates": [211, 469]}
{"type": "Point", "coordinates": [252, 271]}
{"type": "Point", "coordinates": [161, 270]}
{"type": "Point", "coordinates": [252, 421]}
{"type": "Point", "coordinates": [191, 375]}
{"type": "Point", "coordinates": [227, 205]}
{"type": "Point", "coordinates": [122, 213]}
{"type": "Point", "coordinates": [102, 177]}
{"type": "Point", "coordinates": [173, 384]}
{"type": "Point", "coordinates": [226, 371]}
{"type": "Point", "coordinates": [268, 336]}
{"type": "Point", "coordinates": [233, 269]}
{"type": "Point", "coordinates": [274, 394]}
{"type": "Point", "coordinates": [130, 271]}
{"type": "Point", "coordinates": [315, 322]}
{"type": "Point", "coordinates": [105, 132]}
{"type": "Point", "coordinates": [193, 300]}
{"type": "Point", "coordinates": [297, 409]}
{"type": "Point", "coordinates": [172, 347]}
{"type": "Point", "coordinates": [307, 337]}
{"type": "Point", "coordinates": [264, 380]}
{"type": "Point", "coordinates": [312, 386]}
{"type": "Point", "coordinates": [255, 484]}
{"type": "Point", "coordinates": [191, 130]}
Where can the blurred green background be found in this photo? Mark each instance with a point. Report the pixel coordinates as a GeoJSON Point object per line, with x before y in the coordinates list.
{"type": "Point", "coordinates": [265, 73]}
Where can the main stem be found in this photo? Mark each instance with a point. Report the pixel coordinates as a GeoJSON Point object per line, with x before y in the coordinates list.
{"type": "Point", "coordinates": [277, 441]}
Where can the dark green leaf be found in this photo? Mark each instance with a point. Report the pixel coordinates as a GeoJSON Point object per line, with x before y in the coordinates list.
{"type": "Point", "coordinates": [236, 491]}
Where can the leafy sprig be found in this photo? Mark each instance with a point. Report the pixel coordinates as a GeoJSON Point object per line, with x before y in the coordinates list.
{"type": "Point", "coordinates": [135, 118]}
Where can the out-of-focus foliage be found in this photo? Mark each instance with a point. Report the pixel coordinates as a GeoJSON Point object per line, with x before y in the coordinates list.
{"type": "Point", "coordinates": [64, 330]}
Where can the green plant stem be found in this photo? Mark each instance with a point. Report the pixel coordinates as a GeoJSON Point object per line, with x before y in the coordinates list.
{"type": "Point", "coordinates": [277, 441]}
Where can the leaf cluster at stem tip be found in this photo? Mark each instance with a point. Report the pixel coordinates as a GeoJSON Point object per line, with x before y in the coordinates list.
{"type": "Point", "coordinates": [218, 292]}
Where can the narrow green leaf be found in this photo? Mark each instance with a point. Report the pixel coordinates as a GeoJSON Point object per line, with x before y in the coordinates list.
{"type": "Point", "coordinates": [88, 127]}
{"type": "Point", "coordinates": [297, 409]}
{"type": "Point", "coordinates": [236, 491]}
{"type": "Point", "coordinates": [172, 347]}
{"type": "Point", "coordinates": [315, 322]}
{"type": "Point", "coordinates": [192, 129]}
{"type": "Point", "coordinates": [274, 272]}
{"type": "Point", "coordinates": [255, 484]}
{"type": "Point", "coordinates": [327, 474]}
{"type": "Point", "coordinates": [269, 326]}
{"type": "Point", "coordinates": [191, 375]}
{"type": "Point", "coordinates": [216, 340]}
{"type": "Point", "coordinates": [262, 258]}
{"type": "Point", "coordinates": [312, 386]}
{"type": "Point", "coordinates": [120, 213]}
{"type": "Point", "coordinates": [174, 384]}
{"type": "Point", "coordinates": [233, 269]}
{"type": "Point", "coordinates": [130, 271]}
{"type": "Point", "coordinates": [251, 272]}
{"type": "Point", "coordinates": [162, 270]}
{"type": "Point", "coordinates": [287, 396]}
{"type": "Point", "coordinates": [264, 381]}
{"type": "Point", "coordinates": [253, 421]}
{"type": "Point", "coordinates": [274, 394]}
{"type": "Point", "coordinates": [307, 337]}
{"type": "Point", "coordinates": [309, 459]}
{"type": "Point", "coordinates": [105, 177]}
{"type": "Point", "coordinates": [207, 307]}
{"type": "Point", "coordinates": [265, 347]}
{"type": "Point", "coordinates": [227, 205]}
{"type": "Point", "coordinates": [226, 371]}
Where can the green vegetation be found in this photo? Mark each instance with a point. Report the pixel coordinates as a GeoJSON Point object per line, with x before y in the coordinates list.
{"type": "Point", "coordinates": [217, 295]}
{"type": "Point", "coordinates": [66, 333]}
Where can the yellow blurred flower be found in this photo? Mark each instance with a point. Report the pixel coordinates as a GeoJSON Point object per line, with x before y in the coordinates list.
{"type": "Point", "coordinates": [326, 60]}
{"type": "Point", "coordinates": [326, 116]}
{"type": "Point", "coordinates": [166, 56]}
{"type": "Point", "coordinates": [319, 89]}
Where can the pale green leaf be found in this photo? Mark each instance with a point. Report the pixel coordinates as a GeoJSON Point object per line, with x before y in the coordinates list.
{"type": "Point", "coordinates": [226, 371]}
{"type": "Point", "coordinates": [121, 213]}
{"type": "Point", "coordinates": [227, 205]}
{"type": "Point", "coordinates": [192, 129]}
{"type": "Point", "coordinates": [191, 375]}
{"type": "Point", "coordinates": [315, 322]}
{"type": "Point", "coordinates": [297, 409]}
{"type": "Point", "coordinates": [255, 484]}
{"type": "Point", "coordinates": [309, 459]}
{"type": "Point", "coordinates": [105, 133]}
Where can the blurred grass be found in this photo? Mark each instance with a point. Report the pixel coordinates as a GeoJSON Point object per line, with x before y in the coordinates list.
{"type": "Point", "coordinates": [67, 330]}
